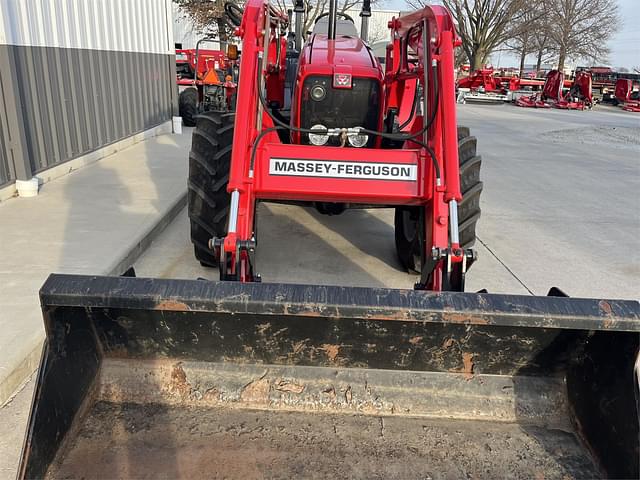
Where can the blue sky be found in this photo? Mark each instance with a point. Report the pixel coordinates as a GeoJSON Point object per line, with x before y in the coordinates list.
{"type": "Point", "coordinates": [625, 45]}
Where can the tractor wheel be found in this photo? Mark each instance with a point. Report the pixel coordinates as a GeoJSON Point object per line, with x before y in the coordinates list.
{"type": "Point", "coordinates": [406, 218]}
{"type": "Point", "coordinates": [188, 106]}
{"type": "Point", "coordinates": [209, 163]}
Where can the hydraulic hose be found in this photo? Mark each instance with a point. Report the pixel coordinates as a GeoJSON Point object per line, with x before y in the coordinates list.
{"type": "Point", "coordinates": [432, 117]}
{"type": "Point", "coordinates": [391, 136]}
{"type": "Point", "coordinates": [234, 13]}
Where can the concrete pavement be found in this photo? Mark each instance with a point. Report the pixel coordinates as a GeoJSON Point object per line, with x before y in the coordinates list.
{"type": "Point", "coordinates": [560, 207]}
{"type": "Point", "coordinates": [561, 199]}
{"type": "Point", "coordinates": [94, 220]}
{"type": "Point", "coordinates": [299, 245]}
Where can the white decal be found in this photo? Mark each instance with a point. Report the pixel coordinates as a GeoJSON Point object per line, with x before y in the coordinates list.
{"type": "Point", "coordinates": [337, 169]}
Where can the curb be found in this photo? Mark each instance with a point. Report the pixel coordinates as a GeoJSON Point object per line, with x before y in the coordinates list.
{"type": "Point", "coordinates": [15, 380]}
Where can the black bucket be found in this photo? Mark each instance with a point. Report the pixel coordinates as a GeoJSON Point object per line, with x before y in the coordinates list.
{"type": "Point", "coordinates": [159, 378]}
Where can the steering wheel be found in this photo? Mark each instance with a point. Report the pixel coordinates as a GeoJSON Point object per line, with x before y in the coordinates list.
{"type": "Point", "coordinates": [339, 14]}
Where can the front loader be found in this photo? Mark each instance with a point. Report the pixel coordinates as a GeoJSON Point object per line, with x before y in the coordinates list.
{"type": "Point", "coordinates": [240, 378]}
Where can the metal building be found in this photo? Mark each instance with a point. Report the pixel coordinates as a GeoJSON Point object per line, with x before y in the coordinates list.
{"type": "Point", "coordinates": [185, 33]}
{"type": "Point", "coordinates": [77, 75]}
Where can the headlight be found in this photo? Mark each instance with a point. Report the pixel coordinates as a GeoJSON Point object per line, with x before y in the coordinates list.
{"type": "Point", "coordinates": [318, 138]}
{"type": "Point", "coordinates": [357, 139]}
{"type": "Point", "coordinates": [318, 93]}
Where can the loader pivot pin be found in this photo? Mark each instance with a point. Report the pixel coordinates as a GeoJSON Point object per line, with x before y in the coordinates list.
{"type": "Point", "coordinates": [452, 263]}
{"type": "Point", "coordinates": [238, 267]}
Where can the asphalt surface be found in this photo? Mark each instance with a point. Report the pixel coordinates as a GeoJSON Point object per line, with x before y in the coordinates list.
{"type": "Point", "coordinates": [560, 207]}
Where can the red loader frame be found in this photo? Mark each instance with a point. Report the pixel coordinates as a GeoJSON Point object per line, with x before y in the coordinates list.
{"type": "Point", "coordinates": [430, 180]}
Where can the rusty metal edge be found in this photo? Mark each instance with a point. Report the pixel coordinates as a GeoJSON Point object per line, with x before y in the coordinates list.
{"type": "Point", "coordinates": [340, 303]}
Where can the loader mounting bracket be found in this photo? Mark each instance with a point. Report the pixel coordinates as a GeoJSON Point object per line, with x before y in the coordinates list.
{"type": "Point", "coordinates": [232, 267]}
{"type": "Point", "coordinates": [455, 263]}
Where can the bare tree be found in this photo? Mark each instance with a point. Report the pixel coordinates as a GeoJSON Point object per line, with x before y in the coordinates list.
{"type": "Point", "coordinates": [314, 8]}
{"type": "Point", "coordinates": [483, 25]}
{"type": "Point", "coordinates": [526, 33]}
{"type": "Point", "coordinates": [581, 28]}
{"type": "Point", "coordinates": [377, 33]}
{"type": "Point", "coordinates": [207, 17]}
{"type": "Point", "coordinates": [543, 48]}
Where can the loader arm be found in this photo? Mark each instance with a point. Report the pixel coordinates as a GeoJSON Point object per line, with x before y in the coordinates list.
{"type": "Point", "coordinates": [424, 173]}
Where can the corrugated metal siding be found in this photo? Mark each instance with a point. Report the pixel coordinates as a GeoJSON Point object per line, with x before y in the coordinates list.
{"type": "Point", "coordinates": [123, 25]}
{"type": "Point", "coordinates": [88, 73]}
{"type": "Point", "coordinates": [75, 101]}
{"type": "Point", "coordinates": [6, 174]}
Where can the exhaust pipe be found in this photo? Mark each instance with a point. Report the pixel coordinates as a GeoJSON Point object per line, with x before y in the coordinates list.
{"type": "Point", "coordinates": [364, 22]}
{"type": "Point", "coordinates": [298, 8]}
{"type": "Point", "coordinates": [333, 15]}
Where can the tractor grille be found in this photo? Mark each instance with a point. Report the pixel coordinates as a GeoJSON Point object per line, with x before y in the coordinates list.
{"type": "Point", "coordinates": [358, 106]}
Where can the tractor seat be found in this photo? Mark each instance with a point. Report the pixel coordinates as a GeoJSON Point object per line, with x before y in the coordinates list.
{"type": "Point", "coordinates": [343, 27]}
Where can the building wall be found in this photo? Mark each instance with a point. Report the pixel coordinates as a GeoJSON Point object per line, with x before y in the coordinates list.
{"type": "Point", "coordinates": [185, 33]}
{"type": "Point", "coordinates": [76, 75]}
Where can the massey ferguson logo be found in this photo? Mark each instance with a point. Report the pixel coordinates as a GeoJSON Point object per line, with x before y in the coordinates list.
{"type": "Point", "coordinates": [299, 167]}
{"type": "Point", "coordinates": [342, 80]}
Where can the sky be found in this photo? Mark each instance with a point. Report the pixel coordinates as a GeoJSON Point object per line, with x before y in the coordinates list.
{"type": "Point", "coordinates": [625, 45]}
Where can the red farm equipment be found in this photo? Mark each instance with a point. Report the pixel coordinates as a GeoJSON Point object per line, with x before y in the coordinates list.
{"type": "Point", "coordinates": [482, 86]}
{"type": "Point", "coordinates": [206, 81]}
{"type": "Point", "coordinates": [166, 378]}
{"type": "Point", "coordinates": [560, 93]}
{"type": "Point", "coordinates": [627, 96]}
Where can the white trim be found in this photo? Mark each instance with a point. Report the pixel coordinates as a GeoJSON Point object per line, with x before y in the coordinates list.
{"type": "Point", "coordinates": [9, 191]}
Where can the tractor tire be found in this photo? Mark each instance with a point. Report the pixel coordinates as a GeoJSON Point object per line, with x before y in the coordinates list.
{"type": "Point", "coordinates": [209, 163]}
{"type": "Point", "coordinates": [188, 106]}
{"type": "Point", "coordinates": [406, 218]}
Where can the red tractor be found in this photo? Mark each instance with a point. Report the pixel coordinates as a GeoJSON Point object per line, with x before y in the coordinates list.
{"type": "Point", "coordinates": [206, 81]}
{"type": "Point", "coordinates": [157, 378]}
{"type": "Point", "coordinates": [353, 137]}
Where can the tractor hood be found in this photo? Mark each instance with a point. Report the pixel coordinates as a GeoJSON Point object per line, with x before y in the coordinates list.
{"type": "Point", "coordinates": [345, 53]}
{"type": "Point", "coordinates": [343, 50]}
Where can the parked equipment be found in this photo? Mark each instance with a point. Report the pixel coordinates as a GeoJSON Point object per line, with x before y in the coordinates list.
{"type": "Point", "coordinates": [176, 378]}
{"type": "Point", "coordinates": [604, 82]}
{"type": "Point", "coordinates": [627, 96]}
{"type": "Point", "coordinates": [482, 86]}
{"type": "Point", "coordinates": [577, 97]}
{"type": "Point", "coordinates": [206, 80]}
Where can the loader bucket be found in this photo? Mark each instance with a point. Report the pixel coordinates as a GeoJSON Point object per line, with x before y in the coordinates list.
{"type": "Point", "coordinates": [148, 378]}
